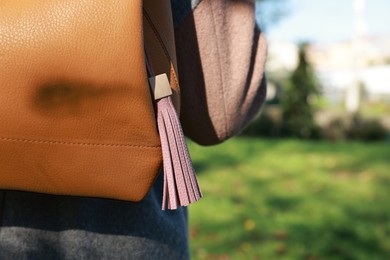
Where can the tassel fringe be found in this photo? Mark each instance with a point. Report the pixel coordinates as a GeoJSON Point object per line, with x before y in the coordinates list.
{"type": "Point", "coordinates": [181, 187]}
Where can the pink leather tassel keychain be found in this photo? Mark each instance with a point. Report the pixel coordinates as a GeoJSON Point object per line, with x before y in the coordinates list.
{"type": "Point", "coordinates": [181, 187]}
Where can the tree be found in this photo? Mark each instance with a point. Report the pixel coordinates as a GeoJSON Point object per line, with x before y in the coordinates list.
{"type": "Point", "coordinates": [297, 111]}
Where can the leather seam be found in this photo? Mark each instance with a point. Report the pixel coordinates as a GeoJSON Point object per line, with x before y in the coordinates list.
{"type": "Point", "coordinates": [155, 32]}
{"type": "Point", "coordinates": [222, 89]}
{"type": "Point", "coordinates": [77, 143]}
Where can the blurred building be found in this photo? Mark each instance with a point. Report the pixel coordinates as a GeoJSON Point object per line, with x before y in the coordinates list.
{"type": "Point", "coordinates": [282, 56]}
{"type": "Point", "coordinates": [339, 65]}
{"type": "Point", "coordinates": [282, 59]}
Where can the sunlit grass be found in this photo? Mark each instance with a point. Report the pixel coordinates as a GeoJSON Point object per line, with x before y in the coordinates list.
{"type": "Point", "coordinates": [291, 200]}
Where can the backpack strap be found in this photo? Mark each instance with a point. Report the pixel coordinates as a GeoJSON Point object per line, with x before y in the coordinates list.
{"type": "Point", "coordinates": [159, 40]}
{"type": "Point", "coordinates": [180, 184]}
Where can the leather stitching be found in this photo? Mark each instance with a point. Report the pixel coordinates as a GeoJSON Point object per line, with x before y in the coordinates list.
{"type": "Point", "coordinates": [77, 143]}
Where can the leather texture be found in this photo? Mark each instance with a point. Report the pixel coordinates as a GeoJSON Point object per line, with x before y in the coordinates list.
{"type": "Point", "coordinates": [76, 112]}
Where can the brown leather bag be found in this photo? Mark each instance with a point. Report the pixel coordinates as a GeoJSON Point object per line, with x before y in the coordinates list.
{"type": "Point", "coordinates": [77, 117]}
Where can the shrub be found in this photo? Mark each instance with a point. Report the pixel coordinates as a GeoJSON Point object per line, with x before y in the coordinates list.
{"type": "Point", "coordinates": [263, 126]}
{"type": "Point", "coordinates": [355, 128]}
{"type": "Point", "coordinates": [366, 130]}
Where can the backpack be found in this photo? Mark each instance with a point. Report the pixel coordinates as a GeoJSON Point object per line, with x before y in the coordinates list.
{"type": "Point", "coordinates": [88, 91]}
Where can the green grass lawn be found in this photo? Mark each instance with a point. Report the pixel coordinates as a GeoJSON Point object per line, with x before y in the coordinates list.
{"type": "Point", "coordinates": [278, 199]}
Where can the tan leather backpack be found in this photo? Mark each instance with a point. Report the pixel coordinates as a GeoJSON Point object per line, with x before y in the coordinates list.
{"type": "Point", "coordinates": [77, 115]}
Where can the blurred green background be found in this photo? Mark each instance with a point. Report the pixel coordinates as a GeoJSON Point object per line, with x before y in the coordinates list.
{"type": "Point", "coordinates": [310, 177]}
{"type": "Point", "coordinates": [290, 199]}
